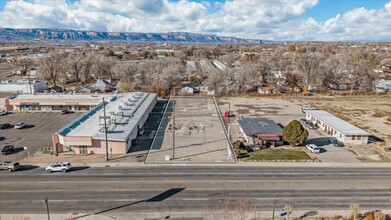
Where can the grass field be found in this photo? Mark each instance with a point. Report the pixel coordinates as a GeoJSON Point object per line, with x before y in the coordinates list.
{"type": "Point", "coordinates": [278, 154]}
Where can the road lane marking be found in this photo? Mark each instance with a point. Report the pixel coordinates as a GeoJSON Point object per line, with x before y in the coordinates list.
{"type": "Point", "coordinates": [190, 189]}
{"type": "Point", "coordinates": [153, 181]}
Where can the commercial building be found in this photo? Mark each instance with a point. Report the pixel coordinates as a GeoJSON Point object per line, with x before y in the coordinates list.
{"type": "Point", "coordinates": [24, 87]}
{"type": "Point", "coordinates": [53, 102]}
{"type": "Point", "coordinates": [336, 127]}
{"type": "Point", "coordinates": [125, 117]}
{"type": "Point", "coordinates": [261, 131]}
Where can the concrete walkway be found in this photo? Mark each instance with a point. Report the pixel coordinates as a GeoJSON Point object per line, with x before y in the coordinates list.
{"type": "Point", "coordinates": [239, 164]}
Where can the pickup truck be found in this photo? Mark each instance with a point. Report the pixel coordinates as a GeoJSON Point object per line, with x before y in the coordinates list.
{"type": "Point", "coordinates": [10, 166]}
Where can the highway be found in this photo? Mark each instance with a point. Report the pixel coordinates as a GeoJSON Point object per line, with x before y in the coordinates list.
{"type": "Point", "coordinates": [191, 188]}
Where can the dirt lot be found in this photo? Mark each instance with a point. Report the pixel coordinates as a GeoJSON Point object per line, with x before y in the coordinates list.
{"type": "Point", "coordinates": [37, 134]}
{"type": "Point", "coordinates": [199, 134]}
{"type": "Point", "coordinates": [284, 110]}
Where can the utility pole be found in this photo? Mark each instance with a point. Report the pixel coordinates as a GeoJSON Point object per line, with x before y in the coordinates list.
{"type": "Point", "coordinates": [229, 112]}
{"type": "Point", "coordinates": [47, 207]}
{"type": "Point", "coordinates": [274, 207]}
{"type": "Point", "coordinates": [104, 116]}
{"type": "Point", "coordinates": [173, 129]}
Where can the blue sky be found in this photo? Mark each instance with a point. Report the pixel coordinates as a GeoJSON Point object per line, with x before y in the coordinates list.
{"type": "Point", "coordinates": [326, 20]}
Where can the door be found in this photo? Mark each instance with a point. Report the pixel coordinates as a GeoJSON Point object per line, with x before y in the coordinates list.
{"type": "Point", "coordinates": [83, 150]}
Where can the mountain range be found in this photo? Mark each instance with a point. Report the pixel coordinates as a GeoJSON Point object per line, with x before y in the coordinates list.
{"type": "Point", "coordinates": [20, 35]}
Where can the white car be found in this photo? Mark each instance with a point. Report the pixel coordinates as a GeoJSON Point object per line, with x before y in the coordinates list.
{"type": "Point", "coordinates": [3, 112]}
{"type": "Point", "coordinates": [20, 125]}
{"type": "Point", "coordinates": [59, 167]}
{"type": "Point", "coordinates": [313, 148]}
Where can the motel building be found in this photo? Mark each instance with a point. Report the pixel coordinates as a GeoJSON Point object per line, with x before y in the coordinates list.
{"type": "Point", "coordinates": [336, 127]}
{"type": "Point", "coordinates": [126, 115]}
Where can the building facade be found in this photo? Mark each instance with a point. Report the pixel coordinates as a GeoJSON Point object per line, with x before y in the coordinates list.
{"type": "Point", "coordinates": [336, 127]}
{"type": "Point", "coordinates": [126, 115]}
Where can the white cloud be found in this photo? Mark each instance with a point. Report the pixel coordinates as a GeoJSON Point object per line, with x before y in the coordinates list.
{"type": "Point", "coordinates": [266, 19]}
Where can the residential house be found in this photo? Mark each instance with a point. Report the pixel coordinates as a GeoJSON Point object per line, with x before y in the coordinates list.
{"type": "Point", "coordinates": [103, 85]}
{"type": "Point", "coordinates": [86, 89]}
{"type": "Point", "coordinates": [260, 131]}
{"type": "Point", "coordinates": [267, 90]}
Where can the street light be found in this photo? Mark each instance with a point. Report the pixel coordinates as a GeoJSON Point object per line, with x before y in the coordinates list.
{"type": "Point", "coordinates": [47, 206]}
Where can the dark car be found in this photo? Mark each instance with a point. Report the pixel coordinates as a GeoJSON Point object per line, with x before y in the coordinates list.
{"type": "Point", "coordinates": [336, 143]}
{"type": "Point", "coordinates": [64, 111]}
{"type": "Point", "coordinates": [312, 126]}
{"type": "Point", "coordinates": [5, 126]}
{"type": "Point", "coordinates": [7, 149]}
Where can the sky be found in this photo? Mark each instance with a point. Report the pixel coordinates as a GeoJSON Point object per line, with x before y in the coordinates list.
{"type": "Point", "coordinates": [286, 20]}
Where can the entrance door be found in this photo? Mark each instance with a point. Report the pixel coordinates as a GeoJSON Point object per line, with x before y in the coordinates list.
{"type": "Point", "coordinates": [83, 150]}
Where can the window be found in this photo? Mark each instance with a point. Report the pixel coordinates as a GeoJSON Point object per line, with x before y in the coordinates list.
{"type": "Point", "coordinates": [335, 132]}
{"type": "Point", "coordinates": [340, 135]}
{"type": "Point", "coordinates": [358, 137]}
{"type": "Point", "coordinates": [353, 137]}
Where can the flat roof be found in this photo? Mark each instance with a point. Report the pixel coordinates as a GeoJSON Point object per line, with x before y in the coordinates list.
{"type": "Point", "coordinates": [62, 96]}
{"type": "Point", "coordinates": [256, 125]}
{"type": "Point", "coordinates": [337, 123]}
{"type": "Point", "coordinates": [125, 111]}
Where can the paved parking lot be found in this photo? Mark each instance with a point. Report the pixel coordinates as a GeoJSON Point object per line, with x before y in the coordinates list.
{"type": "Point", "coordinates": [38, 133]}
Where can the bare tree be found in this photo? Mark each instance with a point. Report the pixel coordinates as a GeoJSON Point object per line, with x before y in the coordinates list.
{"type": "Point", "coordinates": [23, 64]}
{"type": "Point", "coordinates": [307, 64]}
{"type": "Point", "coordinates": [104, 66]}
{"type": "Point", "coordinates": [52, 68]}
{"type": "Point", "coordinates": [288, 208]}
{"type": "Point", "coordinates": [74, 62]}
{"type": "Point", "coordinates": [215, 80]}
{"type": "Point", "coordinates": [88, 64]}
{"type": "Point", "coordinates": [171, 76]}
{"type": "Point", "coordinates": [355, 208]}
{"type": "Point", "coordinates": [126, 72]}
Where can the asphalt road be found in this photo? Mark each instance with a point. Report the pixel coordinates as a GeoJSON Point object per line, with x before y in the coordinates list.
{"type": "Point", "coordinates": [180, 189]}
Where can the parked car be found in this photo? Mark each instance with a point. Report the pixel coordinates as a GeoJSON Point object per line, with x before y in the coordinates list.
{"type": "Point", "coordinates": [312, 126]}
{"type": "Point", "coordinates": [20, 125]}
{"type": "Point", "coordinates": [313, 148]}
{"type": "Point", "coordinates": [64, 111]}
{"type": "Point", "coordinates": [304, 121]}
{"type": "Point", "coordinates": [336, 143]}
{"type": "Point", "coordinates": [3, 113]}
{"type": "Point", "coordinates": [7, 149]}
{"type": "Point", "coordinates": [59, 167]}
{"type": "Point", "coordinates": [10, 166]}
{"type": "Point", "coordinates": [5, 126]}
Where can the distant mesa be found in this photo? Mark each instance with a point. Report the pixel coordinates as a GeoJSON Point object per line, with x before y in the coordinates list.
{"type": "Point", "coordinates": [15, 35]}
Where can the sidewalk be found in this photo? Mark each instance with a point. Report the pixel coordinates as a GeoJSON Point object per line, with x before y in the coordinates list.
{"type": "Point", "coordinates": [239, 164]}
{"type": "Point", "coordinates": [181, 215]}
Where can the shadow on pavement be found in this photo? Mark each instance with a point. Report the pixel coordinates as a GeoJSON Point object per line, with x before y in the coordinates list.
{"type": "Point", "coordinates": [17, 150]}
{"type": "Point", "coordinates": [79, 168]}
{"type": "Point", "coordinates": [27, 167]}
{"type": "Point", "coordinates": [323, 141]}
{"type": "Point", "coordinates": [165, 195]}
{"type": "Point", "coordinates": [162, 196]}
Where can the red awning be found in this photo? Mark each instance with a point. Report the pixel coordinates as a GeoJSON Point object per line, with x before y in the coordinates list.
{"type": "Point", "coordinates": [268, 137]}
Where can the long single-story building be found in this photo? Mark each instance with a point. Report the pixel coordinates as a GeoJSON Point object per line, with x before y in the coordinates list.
{"type": "Point", "coordinates": [125, 117]}
{"type": "Point", "coordinates": [54, 102]}
{"type": "Point", "coordinates": [261, 131]}
{"type": "Point", "coordinates": [336, 127]}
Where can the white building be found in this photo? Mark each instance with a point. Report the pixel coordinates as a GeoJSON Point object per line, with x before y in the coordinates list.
{"type": "Point", "coordinates": [336, 127]}
{"type": "Point", "coordinates": [126, 115]}
{"type": "Point", "coordinates": [24, 87]}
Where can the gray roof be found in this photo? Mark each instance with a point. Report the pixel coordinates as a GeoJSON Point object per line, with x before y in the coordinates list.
{"type": "Point", "coordinates": [337, 123]}
{"type": "Point", "coordinates": [255, 125]}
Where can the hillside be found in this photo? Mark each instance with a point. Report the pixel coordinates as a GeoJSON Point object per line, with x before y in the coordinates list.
{"type": "Point", "coordinates": [10, 35]}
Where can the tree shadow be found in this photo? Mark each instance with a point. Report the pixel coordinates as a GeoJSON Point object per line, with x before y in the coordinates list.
{"type": "Point", "coordinates": [158, 198]}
